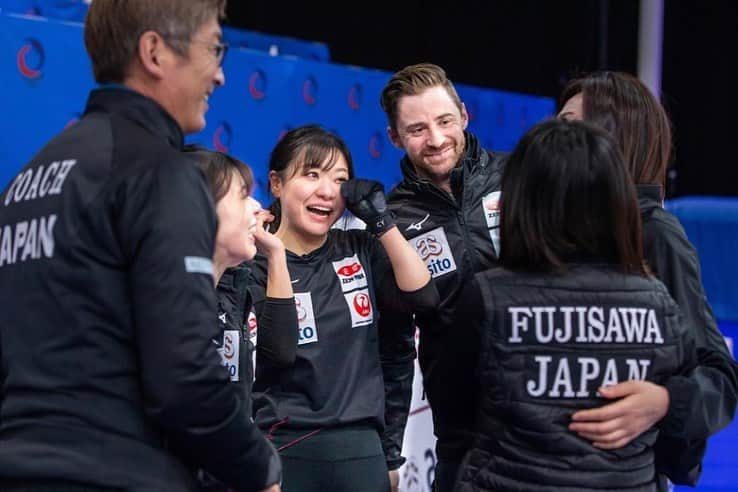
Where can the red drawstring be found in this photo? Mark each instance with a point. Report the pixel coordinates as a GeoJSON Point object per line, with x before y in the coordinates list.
{"type": "Point", "coordinates": [277, 425]}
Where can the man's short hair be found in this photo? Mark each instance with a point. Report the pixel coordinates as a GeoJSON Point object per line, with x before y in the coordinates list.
{"type": "Point", "coordinates": [113, 28]}
{"type": "Point", "coordinates": [413, 80]}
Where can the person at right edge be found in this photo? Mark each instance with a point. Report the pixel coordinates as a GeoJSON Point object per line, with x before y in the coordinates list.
{"type": "Point", "coordinates": [688, 408]}
{"type": "Point", "coordinates": [109, 376]}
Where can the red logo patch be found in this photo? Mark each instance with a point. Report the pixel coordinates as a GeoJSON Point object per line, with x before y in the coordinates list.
{"type": "Point", "coordinates": [349, 270]}
{"type": "Point", "coordinates": [362, 304]}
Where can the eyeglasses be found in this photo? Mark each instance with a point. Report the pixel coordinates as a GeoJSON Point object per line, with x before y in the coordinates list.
{"type": "Point", "coordinates": [218, 50]}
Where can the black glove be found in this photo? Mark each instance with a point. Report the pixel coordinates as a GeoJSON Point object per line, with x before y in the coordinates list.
{"type": "Point", "coordinates": [365, 199]}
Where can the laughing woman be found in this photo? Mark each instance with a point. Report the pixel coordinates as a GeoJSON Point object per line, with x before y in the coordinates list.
{"type": "Point", "coordinates": [325, 412]}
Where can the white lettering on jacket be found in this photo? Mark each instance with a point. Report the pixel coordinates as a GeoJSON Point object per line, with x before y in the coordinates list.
{"type": "Point", "coordinates": [27, 240]}
{"type": "Point", "coordinates": [39, 182]}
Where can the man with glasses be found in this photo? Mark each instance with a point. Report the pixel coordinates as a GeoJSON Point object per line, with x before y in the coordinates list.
{"type": "Point", "coordinates": [110, 378]}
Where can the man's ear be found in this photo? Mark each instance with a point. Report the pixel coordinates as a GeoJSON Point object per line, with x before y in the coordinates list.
{"type": "Point", "coordinates": [153, 53]}
{"type": "Point", "coordinates": [275, 184]}
{"type": "Point", "coordinates": [394, 137]}
{"type": "Point", "coordinates": [464, 117]}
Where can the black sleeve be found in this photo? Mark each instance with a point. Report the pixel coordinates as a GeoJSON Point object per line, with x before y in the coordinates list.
{"type": "Point", "coordinates": [185, 389]}
{"type": "Point", "coordinates": [277, 332]}
{"type": "Point", "coordinates": [397, 356]}
{"type": "Point", "coordinates": [702, 401]}
{"type": "Point", "coordinates": [422, 301]}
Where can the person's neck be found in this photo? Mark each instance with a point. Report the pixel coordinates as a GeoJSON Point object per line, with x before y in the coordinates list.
{"type": "Point", "coordinates": [220, 265]}
{"type": "Point", "coordinates": [442, 182]}
{"type": "Point", "coordinates": [300, 244]}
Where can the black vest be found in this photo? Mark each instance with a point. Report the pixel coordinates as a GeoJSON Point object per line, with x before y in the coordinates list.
{"type": "Point", "coordinates": [548, 342]}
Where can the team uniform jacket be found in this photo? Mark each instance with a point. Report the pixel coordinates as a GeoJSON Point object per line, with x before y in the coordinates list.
{"type": "Point", "coordinates": [107, 315]}
{"type": "Point", "coordinates": [236, 344]}
{"type": "Point", "coordinates": [547, 343]}
{"type": "Point", "coordinates": [237, 341]}
{"type": "Point", "coordinates": [336, 378]}
{"type": "Point", "coordinates": [456, 236]}
{"type": "Point", "coordinates": [704, 401]}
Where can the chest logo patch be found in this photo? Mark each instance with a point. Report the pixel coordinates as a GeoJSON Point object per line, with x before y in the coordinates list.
{"type": "Point", "coordinates": [307, 330]}
{"type": "Point", "coordinates": [350, 273]}
{"type": "Point", "coordinates": [360, 307]}
{"type": "Point", "coordinates": [491, 207]}
{"type": "Point", "coordinates": [230, 352]}
{"type": "Point", "coordinates": [434, 250]}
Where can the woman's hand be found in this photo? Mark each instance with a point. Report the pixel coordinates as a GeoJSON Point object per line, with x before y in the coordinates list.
{"type": "Point", "coordinates": [266, 242]}
{"type": "Point", "coordinates": [639, 407]}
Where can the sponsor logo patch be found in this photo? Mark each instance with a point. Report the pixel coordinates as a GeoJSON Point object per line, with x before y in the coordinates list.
{"type": "Point", "coordinates": [350, 273]}
{"type": "Point", "coordinates": [307, 330]}
{"type": "Point", "coordinates": [230, 352]}
{"type": "Point", "coordinates": [434, 250]}
{"type": "Point", "coordinates": [360, 307]}
{"type": "Point", "coordinates": [491, 208]}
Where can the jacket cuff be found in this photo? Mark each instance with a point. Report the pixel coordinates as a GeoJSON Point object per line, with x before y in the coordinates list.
{"type": "Point", "coordinates": [673, 424]}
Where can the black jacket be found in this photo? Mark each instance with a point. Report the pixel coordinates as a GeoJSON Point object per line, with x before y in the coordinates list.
{"type": "Point", "coordinates": [336, 379]}
{"type": "Point", "coordinates": [456, 236]}
{"type": "Point", "coordinates": [107, 313]}
{"type": "Point", "coordinates": [704, 401]}
{"type": "Point", "coordinates": [237, 316]}
{"type": "Point", "coordinates": [235, 345]}
{"type": "Point", "coordinates": [547, 343]}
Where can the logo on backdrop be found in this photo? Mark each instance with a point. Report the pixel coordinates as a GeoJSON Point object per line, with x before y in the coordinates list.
{"type": "Point", "coordinates": [31, 58]}
{"type": "Point", "coordinates": [310, 90]}
{"type": "Point", "coordinates": [376, 145]}
{"type": "Point", "coordinates": [223, 137]}
{"type": "Point", "coordinates": [354, 97]}
{"type": "Point", "coordinates": [258, 85]}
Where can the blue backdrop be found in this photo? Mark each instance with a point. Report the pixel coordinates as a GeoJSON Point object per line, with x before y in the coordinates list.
{"type": "Point", "coordinates": [45, 77]}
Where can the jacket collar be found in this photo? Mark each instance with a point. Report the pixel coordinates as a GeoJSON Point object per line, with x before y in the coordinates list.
{"type": "Point", "coordinates": [138, 108]}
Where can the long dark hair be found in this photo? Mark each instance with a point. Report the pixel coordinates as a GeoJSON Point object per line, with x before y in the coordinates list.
{"type": "Point", "coordinates": [567, 197]}
{"type": "Point", "coordinates": [626, 108]}
{"type": "Point", "coordinates": [314, 146]}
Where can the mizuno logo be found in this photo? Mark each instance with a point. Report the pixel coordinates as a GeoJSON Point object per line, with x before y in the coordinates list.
{"type": "Point", "coordinates": [295, 281]}
{"type": "Point", "coordinates": [418, 225]}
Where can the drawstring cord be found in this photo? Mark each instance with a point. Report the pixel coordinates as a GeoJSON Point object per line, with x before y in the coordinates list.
{"type": "Point", "coordinates": [284, 421]}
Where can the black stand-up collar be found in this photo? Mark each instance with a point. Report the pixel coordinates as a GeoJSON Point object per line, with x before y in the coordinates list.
{"type": "Point", "coordinates": [138, 108]}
